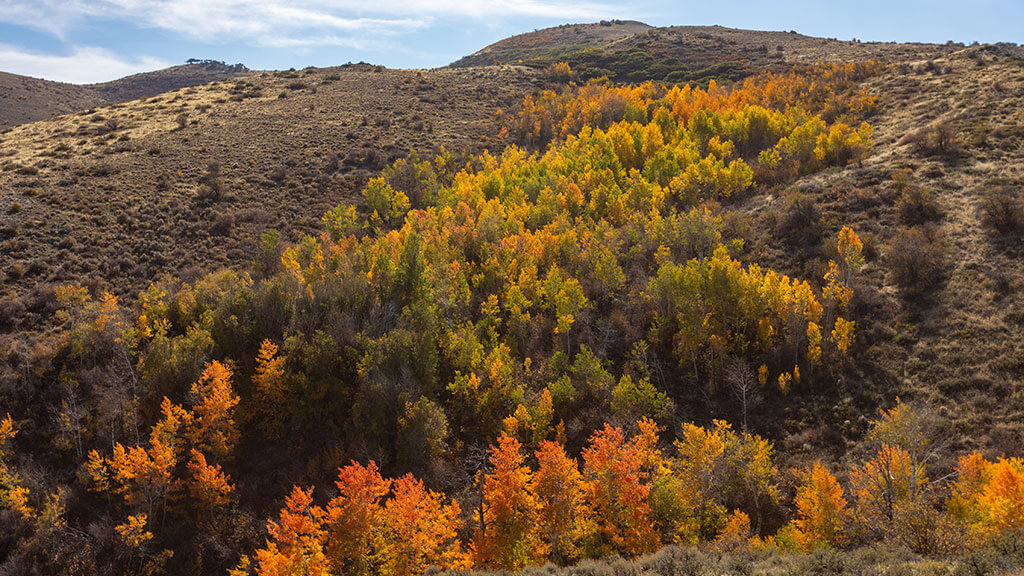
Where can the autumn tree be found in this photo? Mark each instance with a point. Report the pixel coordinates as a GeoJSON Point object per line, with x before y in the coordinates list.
{"type": "Point", "coordinates": [271, 390]}
{"type": "Point", "coordinates": [889, 479]}
{"type": "Point", "coordinates": [209, 485]}
{"type": "Point", "coordinates": [355, 520]}
{"type": "Point", "coordinates": [989, 496]}
{"type": "Point", "coordinates": [422, 530]}
{"type": "Point", "coordinates": [720, 469]}
{"type": "Point", "coordinates": [214, 401]}
{"type": "Point", "coordinates": [507, 538]}
{"type": "Point", "coordinates": [821, 510]}
{"type": "Point", "coordinates": [295, 546]}
{"type": "Point", "coordinates": [13, 494]}
{"type": "Point", "coordinates": [616, 483]}
{"type": "Point", "coordinates": [145, 475]}
{"type": "Point", "coordinates": [558, 486]}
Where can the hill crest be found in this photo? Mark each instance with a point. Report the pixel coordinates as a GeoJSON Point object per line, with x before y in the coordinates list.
{"type": "Point", "coordinates": [24, 99]}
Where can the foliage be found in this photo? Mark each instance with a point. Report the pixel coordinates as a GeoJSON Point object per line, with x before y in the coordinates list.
{"type": "Point", "coordinates": [523, 300]}
{"type": "Point", "coordinates": [821, 510]}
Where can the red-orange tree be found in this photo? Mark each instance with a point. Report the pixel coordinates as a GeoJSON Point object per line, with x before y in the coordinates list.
{"type": "Point", "coordinates": [507, 538]}
{"type": "Point", "coordinates": [616, 483]}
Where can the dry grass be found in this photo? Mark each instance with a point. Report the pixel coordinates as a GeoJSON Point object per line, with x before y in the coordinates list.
{"type": "Point", "coordinates": [132, 185]}
{"type": "Point", "coordinates": [953, 343]}
{"type": "Point", "coordinates": [24, 99]}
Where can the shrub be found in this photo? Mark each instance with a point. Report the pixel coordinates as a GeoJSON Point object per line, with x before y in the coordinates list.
{"type": "Point", "coordinates": [11, 310]}
{"type": "Point", "coordinates": [937, 139]}
{"type": "Point", "coordinates": [1002, 210]}
{"type": "Point", "coordinates": [800, 222]}
{"type": "Point", "coordinates": [222, 224]}
{"type": "Point", "coordinates": [278, 174]}
{"type": "Point", "coordinates": [211, 185]}
{"type": "Point", "coordinates": [559, 72]}
{"type": "Point", "coordinates": [917, 206]}
{"type": "Point", "coordinates": [916, 258]}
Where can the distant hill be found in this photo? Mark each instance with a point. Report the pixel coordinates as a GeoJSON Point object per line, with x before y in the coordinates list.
{"type": "Point", "coordinates": [24, 99]}
{"type": "Point", "coordinates": [629, 51]}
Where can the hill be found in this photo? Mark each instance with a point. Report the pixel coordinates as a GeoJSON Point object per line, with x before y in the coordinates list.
{"type": "Point", "coordinates": [27, 99]}
{"type": "Point", "coordinates": [118, 196]}
{"type": "Point", "coordinates": [289, 146]}
{"type": "Point", "coordinates": [24, 99]}
{"type": "Point", "coordinates": [628, 51]}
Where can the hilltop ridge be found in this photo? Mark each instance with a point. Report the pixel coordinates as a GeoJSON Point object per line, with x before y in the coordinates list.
{"type": "Point", "coordinates": [633, 51]}
{"type": "Point", "coordinates": [24, 99]}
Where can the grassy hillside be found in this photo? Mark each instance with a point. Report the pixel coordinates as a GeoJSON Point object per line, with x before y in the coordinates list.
{"type": "Point", "coordinates": [27, 99]}
{"type": "Point", "coordinates": [288, 147]}
{"type": "Point", "coordinates": [627, 51]}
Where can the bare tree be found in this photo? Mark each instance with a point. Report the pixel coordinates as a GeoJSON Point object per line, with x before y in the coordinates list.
{"type": "Point", "coordinates": [743, 384]}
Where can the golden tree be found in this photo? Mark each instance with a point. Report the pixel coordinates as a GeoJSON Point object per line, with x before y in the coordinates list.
{"type": "Point", "coordinates": [821, 510]}
{"type": "Point", "coordinates": [214, 429]}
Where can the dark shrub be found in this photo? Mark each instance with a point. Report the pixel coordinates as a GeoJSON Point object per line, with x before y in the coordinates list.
{"type": "Point", "coordinates": [937, 139]}
{"type": "Point", "coordinates": [800, 222]}
{"type": "Point", "coordinates": [916, 258]}
{"type": "Point", "coordinates": [211, 185]}
{"type": "Point", "coordinates": [917, 206]}
{"type": "Point", "coordinates": [1002, 210]}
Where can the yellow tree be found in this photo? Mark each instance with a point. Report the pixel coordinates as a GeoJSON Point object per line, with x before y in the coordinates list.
{"type": "Point", "coordinates": [12, 494]}
{"type": "Point", "coordinates": [720, 469]}
{"type": "Point", "coordinates": [842, 334]}
{"type": "Point", "coordinates": [850, 249]}
{"type": "Point", "coordinates": [269, 379]}
{"type": "Point", "coordinates": [890, 479]}
{"type": "Point", "coordinates": [214, 400]}
{"type": "Point", "coordinates": [821, 510]}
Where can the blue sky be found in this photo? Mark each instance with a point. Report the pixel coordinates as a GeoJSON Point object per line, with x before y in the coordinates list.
{"type": "Point", "coordinates": [97, 40]}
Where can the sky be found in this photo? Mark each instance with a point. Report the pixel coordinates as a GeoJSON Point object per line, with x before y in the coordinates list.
{"type": "Point", "coordinates": [86, 41]}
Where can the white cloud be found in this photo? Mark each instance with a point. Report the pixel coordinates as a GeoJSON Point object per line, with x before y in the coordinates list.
{"type": "Point", "coordinates": [83, 65]}
{"type": "Point", "coordinates": [275, 22]}
{"type": "Point", "coordinates": [299, 25]}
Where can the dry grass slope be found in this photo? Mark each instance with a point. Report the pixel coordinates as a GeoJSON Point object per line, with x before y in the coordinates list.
{"type": "Point", "coordinates": [24, 99]}
{"type": "Point", "coordinates": [116, 194]}
{"type": "Point", "coordinates": [954, 341]}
